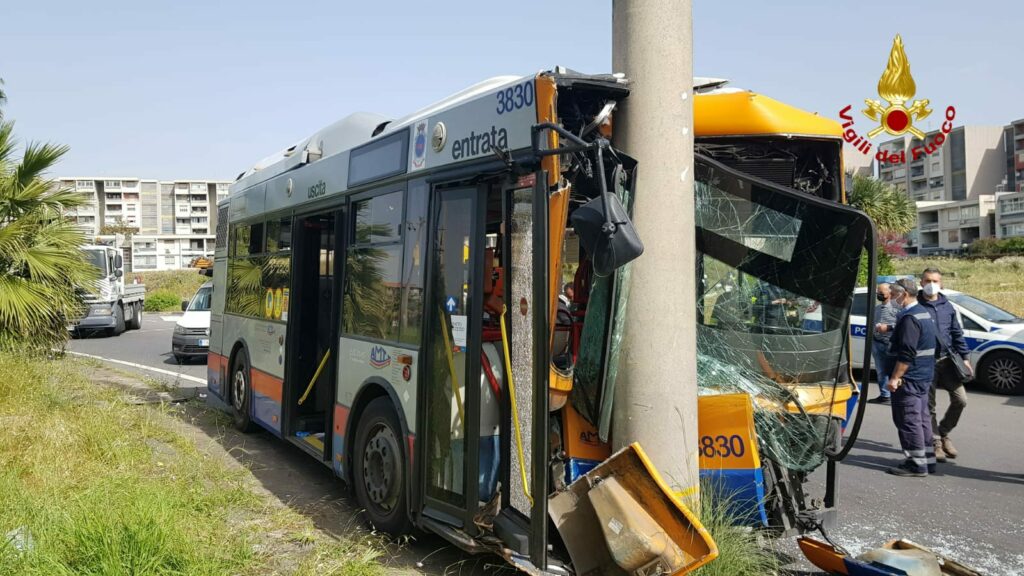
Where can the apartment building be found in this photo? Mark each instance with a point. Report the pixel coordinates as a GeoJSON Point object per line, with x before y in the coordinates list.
{"type": "Point", "coordinates": [1013, 144]}
{"type": "Point", "coordinates": [949, 226]}
{"type": "Point", "coordinates": [971, 162]}
{"type": "Point", "coordinates": [1009, 215]}
{"type": "Point", "coordinates": [176, 220]}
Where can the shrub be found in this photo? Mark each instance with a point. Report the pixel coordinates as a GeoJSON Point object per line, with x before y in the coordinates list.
{"type": "Point", "coordinates": [162, 301]}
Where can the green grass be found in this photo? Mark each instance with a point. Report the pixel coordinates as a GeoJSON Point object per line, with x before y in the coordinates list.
{"type": "Point", "coordinates": [182, 284]}
{"type": "Point", "coordinates": [741, 552]}
{"type": "Point", "coordinates": [97, 486]}
{"type": "Point", "coordinates": [1000, 282]}
{"type": "Point", "coordinates": [162, 301]}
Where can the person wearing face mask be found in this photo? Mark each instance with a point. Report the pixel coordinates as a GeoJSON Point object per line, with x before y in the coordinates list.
{"type": "Point", "coordinates": [885, 318]}
{"type": "Point", "coordinates": [950, 341]}
{"type": "Point", "coordinates": [913, 343]}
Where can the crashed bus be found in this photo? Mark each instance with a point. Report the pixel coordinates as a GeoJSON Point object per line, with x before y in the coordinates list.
{"type": "Point", "coordinates": [387, 302]}
{"type": "Point", "coordinates": [772, 321]}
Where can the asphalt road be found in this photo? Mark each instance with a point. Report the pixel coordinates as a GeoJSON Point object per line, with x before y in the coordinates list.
{"type": "Point", "coordinates": [971, 510]}
{"type": "Point", "coordinates": [149, 349]}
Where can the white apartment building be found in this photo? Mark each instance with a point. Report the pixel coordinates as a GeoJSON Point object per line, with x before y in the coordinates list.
{"type": "Point", "coordinates": [949, 226]}
{"type": "Point", "coordinates": [1010, 215]}
{"type": "Point", "coordinates": [176, 220]}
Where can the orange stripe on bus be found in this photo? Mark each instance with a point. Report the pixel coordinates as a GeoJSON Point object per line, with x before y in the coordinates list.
{"type": "Point", "coordinates": [266, 385]}
{"type": "Point", "coordinates": [340, 419]}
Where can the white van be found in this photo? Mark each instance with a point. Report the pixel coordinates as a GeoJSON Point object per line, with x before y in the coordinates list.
{"type": "Point", "coordinates": [995, 337]}
{"type": "Point", "coordinates": [191, 337]}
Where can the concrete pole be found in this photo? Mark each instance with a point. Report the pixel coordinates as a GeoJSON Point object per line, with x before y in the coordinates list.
{"type": "Point", "coordinates": [656, 395]}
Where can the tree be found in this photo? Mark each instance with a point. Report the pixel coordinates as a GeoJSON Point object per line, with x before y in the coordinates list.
{"type": "Point", "coordinates": [40, 261]}
{"type": "Point", "coordinates": [891, 210]}
{"type": "Point", "coordinates": [893, 213]}
{"type": "Point", "coordinates": [3, 98]}
{"type": "Point", "coordinates": [120, 227]}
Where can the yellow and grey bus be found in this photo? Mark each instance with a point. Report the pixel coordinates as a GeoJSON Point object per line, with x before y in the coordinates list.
{"type": "Point", "coordinates": [387, 300]}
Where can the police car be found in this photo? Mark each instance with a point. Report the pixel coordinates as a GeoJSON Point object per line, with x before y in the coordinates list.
{"type": "Point", "coordinates": [995, 337]}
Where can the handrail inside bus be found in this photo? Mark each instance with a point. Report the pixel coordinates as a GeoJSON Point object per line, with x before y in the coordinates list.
{"type": "Point", "coordinates": [515, 408]}
{"type": "Point", "coordinates": [316, 375]}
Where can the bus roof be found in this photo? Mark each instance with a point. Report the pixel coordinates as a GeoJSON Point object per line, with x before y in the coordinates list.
{"type": "Point", "coordinates": [733, 112]}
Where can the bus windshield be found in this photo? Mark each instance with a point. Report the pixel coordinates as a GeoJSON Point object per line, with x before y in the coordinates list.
{"type": "Point", "coordinates": [776, 273]}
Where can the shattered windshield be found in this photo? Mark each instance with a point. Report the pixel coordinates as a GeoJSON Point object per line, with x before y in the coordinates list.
{"type": "Point", "coordinates": [776, 274]}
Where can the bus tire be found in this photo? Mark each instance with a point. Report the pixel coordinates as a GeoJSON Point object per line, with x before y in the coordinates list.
{"type": "Point", "coordinates": [1002, 372]}
{"type": "Point", "coordinates": [241, 393]}
{"type": "Point", "coordinates": [379, 471]}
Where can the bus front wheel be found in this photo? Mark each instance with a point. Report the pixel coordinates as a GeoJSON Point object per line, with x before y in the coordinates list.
{"type": "Point", "coordinates": [379, 469]}
{"type": "Point", "coordinates": [241, 393]}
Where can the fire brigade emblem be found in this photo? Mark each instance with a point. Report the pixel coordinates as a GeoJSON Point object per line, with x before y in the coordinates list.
{"type": "Point", "coordinates": [896, 87]}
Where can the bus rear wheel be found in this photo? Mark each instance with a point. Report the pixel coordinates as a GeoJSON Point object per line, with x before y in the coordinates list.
{"type": "Point", "coordinates": [241, 393]}
{"type": "Point", "coordinates": [379, 469]}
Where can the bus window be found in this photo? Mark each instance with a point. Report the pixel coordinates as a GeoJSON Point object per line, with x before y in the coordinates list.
{"type": "Point", "coordinates": [373, 284]}
{"type": "Point", "coordinates": [412, 270]}
{"type": "Point", "coordinates": [279, 234]}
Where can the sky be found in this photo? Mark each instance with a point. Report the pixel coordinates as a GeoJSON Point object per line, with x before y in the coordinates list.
{"type": "Point", "coordinates": [204, 89]}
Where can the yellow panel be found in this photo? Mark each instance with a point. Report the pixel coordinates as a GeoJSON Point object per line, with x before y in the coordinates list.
{"type": "Point", "coordinates": [725, 424]}
{"type": "Point", "coordinates": [581, 439]}
{"type": "Point", "coordinates": [820, 400]}
{"type": "Point", "coordinates": [750, 114]}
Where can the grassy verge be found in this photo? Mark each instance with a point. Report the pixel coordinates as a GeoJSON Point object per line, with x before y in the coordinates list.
{"type": "Point", "coordinates": [998, 282]}
{"type": "Point", "coordinates": [92, 484]}
{"type": "Point", "coordinates": [167, 288]}
{"type": "Point", "coordinates": [741, 552]}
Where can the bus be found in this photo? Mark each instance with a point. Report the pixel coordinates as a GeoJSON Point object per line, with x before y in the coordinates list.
{"type": "Point", "coordinates": [387, 301]}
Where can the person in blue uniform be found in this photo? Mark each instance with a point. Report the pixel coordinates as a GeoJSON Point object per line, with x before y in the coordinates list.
{"type": "Point", "coordinates": [913, 344]}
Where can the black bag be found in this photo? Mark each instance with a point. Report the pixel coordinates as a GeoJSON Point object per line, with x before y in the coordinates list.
{"type": "Point", "coordinates": [959, 367]}
{"type": "Point", "coordinates": [610, 240]}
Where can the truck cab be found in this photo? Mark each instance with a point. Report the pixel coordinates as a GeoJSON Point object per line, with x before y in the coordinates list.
{"type": "Point", "coordinates": [111, 306]}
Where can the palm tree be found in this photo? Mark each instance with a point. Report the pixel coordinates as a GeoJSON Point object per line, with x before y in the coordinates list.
{"type": "Point", "coordinates": [891, 210]}
{"type": "Point", "coordinates": [3, 98]}
{"type": "Point", "coordinates": [41, 265]}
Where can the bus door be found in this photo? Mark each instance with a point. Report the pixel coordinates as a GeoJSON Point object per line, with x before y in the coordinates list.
{"type": "Point", "coordinates": [451, 457]}
{"type": "Point", "coordinates": [313, 301]}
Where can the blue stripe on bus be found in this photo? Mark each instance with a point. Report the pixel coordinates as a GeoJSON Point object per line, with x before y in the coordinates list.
{"type": "Point", "coordinates": [745, 491]}
{"type": "Point", "coordinates": [266, 412]}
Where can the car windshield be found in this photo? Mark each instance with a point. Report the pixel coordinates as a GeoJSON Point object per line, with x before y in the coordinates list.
{"type": "Point", "coordinates": [201, 301]}
{"type": "Point", "coordinates": [97, 258]}
{"type": "Point", "coordinates": [983, 309]}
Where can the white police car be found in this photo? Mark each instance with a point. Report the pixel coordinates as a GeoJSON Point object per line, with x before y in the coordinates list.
{"type": "Point", "coordinates": [995, 337]}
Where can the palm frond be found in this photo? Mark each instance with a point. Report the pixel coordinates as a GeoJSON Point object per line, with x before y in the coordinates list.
{"type": "Point", "coordinates": [37, 160]}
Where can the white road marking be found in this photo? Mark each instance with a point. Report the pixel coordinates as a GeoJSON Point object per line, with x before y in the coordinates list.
{"type": "Point", "coordinates": [142, 366]}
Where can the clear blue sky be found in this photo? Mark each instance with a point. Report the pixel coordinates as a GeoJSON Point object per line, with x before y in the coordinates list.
{"type": "Point", "coordinates": [203, 89]}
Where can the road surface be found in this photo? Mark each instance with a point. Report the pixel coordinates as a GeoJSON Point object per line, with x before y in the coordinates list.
{"type": "Point", "coordinates": [972, 509]}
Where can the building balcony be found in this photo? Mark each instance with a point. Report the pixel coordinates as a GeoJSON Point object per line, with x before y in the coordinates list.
{"type": "Point", "coordinates": [925, 226]}
{"type": "Point", "coordinates": [182, 230]}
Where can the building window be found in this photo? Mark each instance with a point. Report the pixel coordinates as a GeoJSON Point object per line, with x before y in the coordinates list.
{"type": "Point", "coordinates": [953, 236]}
{"type": "Point", "coordinates": [968, 212]}
{"type": "Point", "coordinates": [953, 215]}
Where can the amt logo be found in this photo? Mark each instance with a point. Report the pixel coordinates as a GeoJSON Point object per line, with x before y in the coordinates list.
{"type": "Point", "coordinates": [379, 357]}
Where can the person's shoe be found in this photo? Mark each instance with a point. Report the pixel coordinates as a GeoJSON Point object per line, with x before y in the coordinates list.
{"type": "Point", "coordinates": [940, 454]}
{"type": "Point", "coordinates": [948, 448]}
{"type": "Point", "coordinates": [931, 468]}
{"type": "Point", "coordinates": [906, 471]}
{"type": "Point", "coordinates": [880, 400]}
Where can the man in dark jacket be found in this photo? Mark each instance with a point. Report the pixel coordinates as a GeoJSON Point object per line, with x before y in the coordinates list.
{"type": "Point", "coordinates": [950, 341]}
{"type": "Point", "coordinates": [913, 343]}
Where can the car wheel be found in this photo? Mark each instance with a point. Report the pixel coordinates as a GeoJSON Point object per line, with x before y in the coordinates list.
{"type": "Point", "coordinates": [241, 393]}
{"type": "Point", "coordinates": [1002, 372]}
{"type": "Point", "coordinates": [379, 469]}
